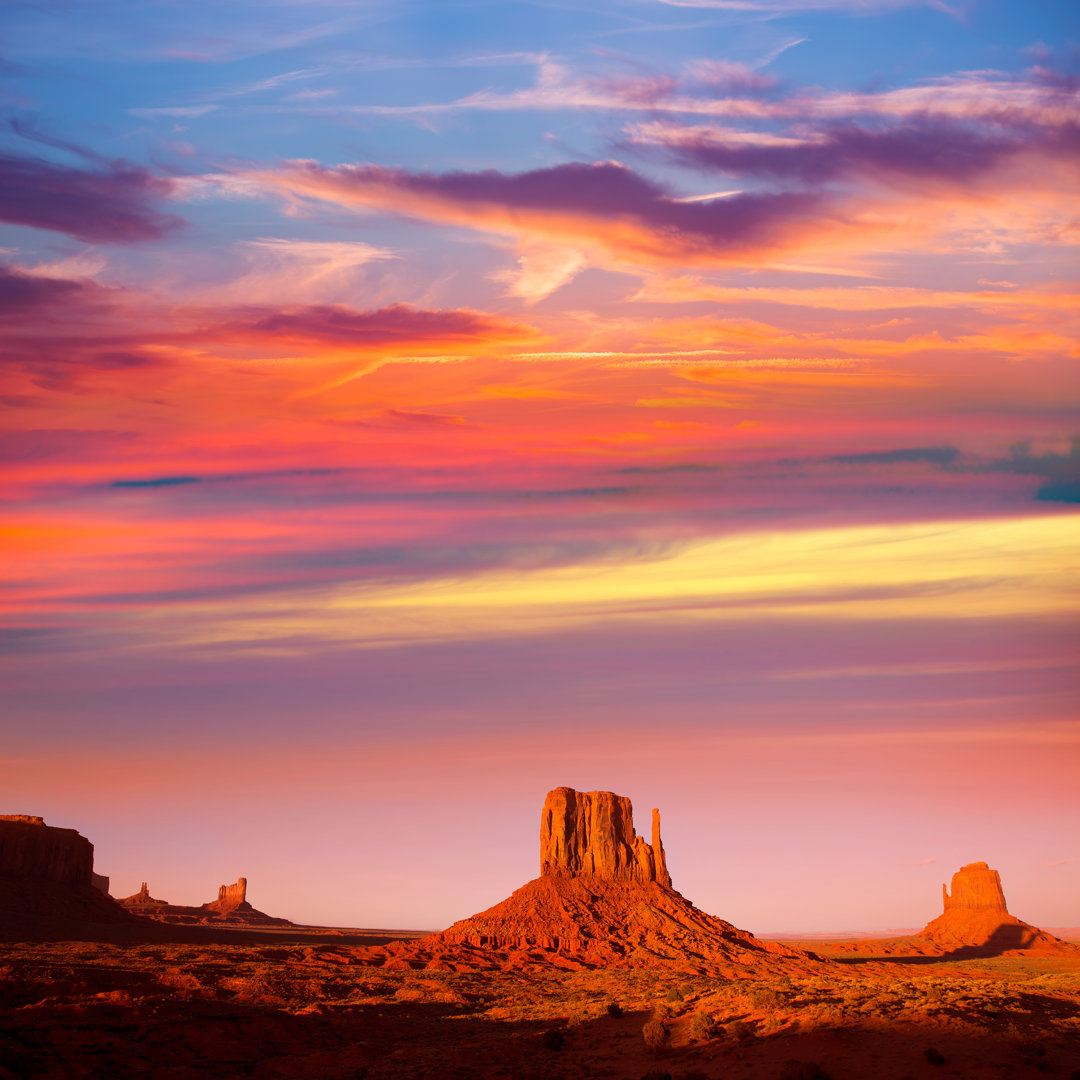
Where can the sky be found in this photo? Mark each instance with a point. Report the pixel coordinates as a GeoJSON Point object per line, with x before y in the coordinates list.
{"type": "Point", "coordinates": [412, 406]}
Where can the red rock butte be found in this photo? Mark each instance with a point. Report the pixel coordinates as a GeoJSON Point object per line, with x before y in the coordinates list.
{"type": "Point", "coordinates": [592, 832]}
{"type": "Point", "coordinates": [230, 907]}
{"type": "Point", "coordinates": [975, 923]}
{"type": "Point", "coordinates": [603, 899]}
{"type": "Point", "coordinates": [143, 899]}
{"type": "Point", "coordinates": [976, 920]}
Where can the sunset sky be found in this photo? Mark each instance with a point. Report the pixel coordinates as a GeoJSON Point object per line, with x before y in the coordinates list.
{"type": "Point", "coordinates": [411, 406]}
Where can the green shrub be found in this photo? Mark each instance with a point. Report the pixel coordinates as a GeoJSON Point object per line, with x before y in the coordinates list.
{"type": "Point", "coordinates": [614, 1010]}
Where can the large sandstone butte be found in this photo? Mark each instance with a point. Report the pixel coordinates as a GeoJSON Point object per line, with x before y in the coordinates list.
{"type": "Point", "coordinates": [976, 920]}
{"type": "Point", "coordinates": [592, 832]}
{"type": "Point", "coordinates": [603, 899]}
{"type": "Point", "coordinates": [48, 887]}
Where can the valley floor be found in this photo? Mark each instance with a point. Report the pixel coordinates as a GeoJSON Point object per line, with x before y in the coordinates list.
{"type": "Point", "coordinates": [314, 1009]}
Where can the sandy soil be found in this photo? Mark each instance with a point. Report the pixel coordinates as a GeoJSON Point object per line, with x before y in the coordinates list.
{"type": "Point", "coordinates": [307, 1004]}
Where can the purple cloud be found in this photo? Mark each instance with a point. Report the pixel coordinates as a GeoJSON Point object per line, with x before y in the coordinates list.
{"type": "Point", "coordinates": [606, 202]}
{"type": "Point", "coordinates": [21, 293]}
{"type": "Point", "coordinates": [112, 204]}
{"type": "Point", "coordinates": [920, 149]}
{"type": "Point", "coordinates": [396, 324]}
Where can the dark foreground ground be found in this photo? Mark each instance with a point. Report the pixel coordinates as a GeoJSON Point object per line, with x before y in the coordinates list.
{"type": "Point", "coordinates": [306, 1005]}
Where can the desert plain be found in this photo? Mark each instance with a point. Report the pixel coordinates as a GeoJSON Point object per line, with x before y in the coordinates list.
{"type": "Point", "coordinates": [597, 968]}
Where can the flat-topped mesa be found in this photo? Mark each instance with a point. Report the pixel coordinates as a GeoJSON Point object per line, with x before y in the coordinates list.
{"type": "Point", "coordinates": [975, 887]}
{"type": "Point", "coordinates": [31, 849]}
{"type": "Point", "coordinates": [48, 887]}
{"type": "Point", "coordinates": [592, 832]}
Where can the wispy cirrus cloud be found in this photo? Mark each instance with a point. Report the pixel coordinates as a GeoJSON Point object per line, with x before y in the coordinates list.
{"type": "Point", "coordinates": [731, 91]}
{"type": "Point", "coordinates": [185, 112]}
{"type": "Point", "coordinates": [276, 269]}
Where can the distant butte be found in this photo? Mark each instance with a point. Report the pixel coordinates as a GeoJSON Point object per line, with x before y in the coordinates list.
{"type": "Point", "coordinates": [230, 907]}
{"type": "Point", "coordinates": [142, 899]}
{"type": "Point", "coordinates": [975, 923]}
{"type": "Point", "coordinates": [976, 920]}
{"type": "Point", "coordinates": [603, 899]}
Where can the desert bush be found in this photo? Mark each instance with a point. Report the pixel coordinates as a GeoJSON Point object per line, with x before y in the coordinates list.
{"type": "Point", "coordinates": [554, 1040]}
{"type": "Point", "coordinates": [740, 1030]}
{"type": "Point", "coordinates": [674, 994]}
{"type": "Point", "coordinates": [765, 997]}
{"type": "Point", "coordinates": [614, 1009]}
{"type": "Point", "coordinates": [662, 1011]}
{"type": "Point", "coordinates": [657, 1036]}
{"type": "Point", "coordinates": [802, 1070]}
{"type": "Point", "coordinates": [703, 1027]}
{"type": "Point", "coordinates": [934, 1056]}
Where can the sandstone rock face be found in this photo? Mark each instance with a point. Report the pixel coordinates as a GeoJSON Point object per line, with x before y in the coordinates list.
{"type": "Point", "coordinates": [592, 832]}
{"type": "Point", "coordinates": [143, 899]}
{"type": "Point", "coordinates": [48, 888]}
{"type": "Point", "coordinates": [230, 908]}
{"type": "Point", "coordinates": [31, 849]}
{"type": "Point", "coordinates": [976, 922]}
{"type": "Point", "coordinates": [231, 896]}
{"type": "Point", "coordinates": [975, 887]}
{"type": "Point", "coordinates": [603, 899]}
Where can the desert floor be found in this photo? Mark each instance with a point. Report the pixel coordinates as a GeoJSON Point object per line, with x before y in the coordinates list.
{"type": "Point", "coordinates": [245, 1004]}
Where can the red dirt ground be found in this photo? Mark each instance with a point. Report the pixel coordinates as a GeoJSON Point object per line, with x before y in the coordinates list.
{"type": "Point", "coordinates": [307, 1004]}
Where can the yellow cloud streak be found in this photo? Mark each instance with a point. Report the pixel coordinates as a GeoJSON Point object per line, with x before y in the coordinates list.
{"type": "Point", "coordinates": [949, 569]}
